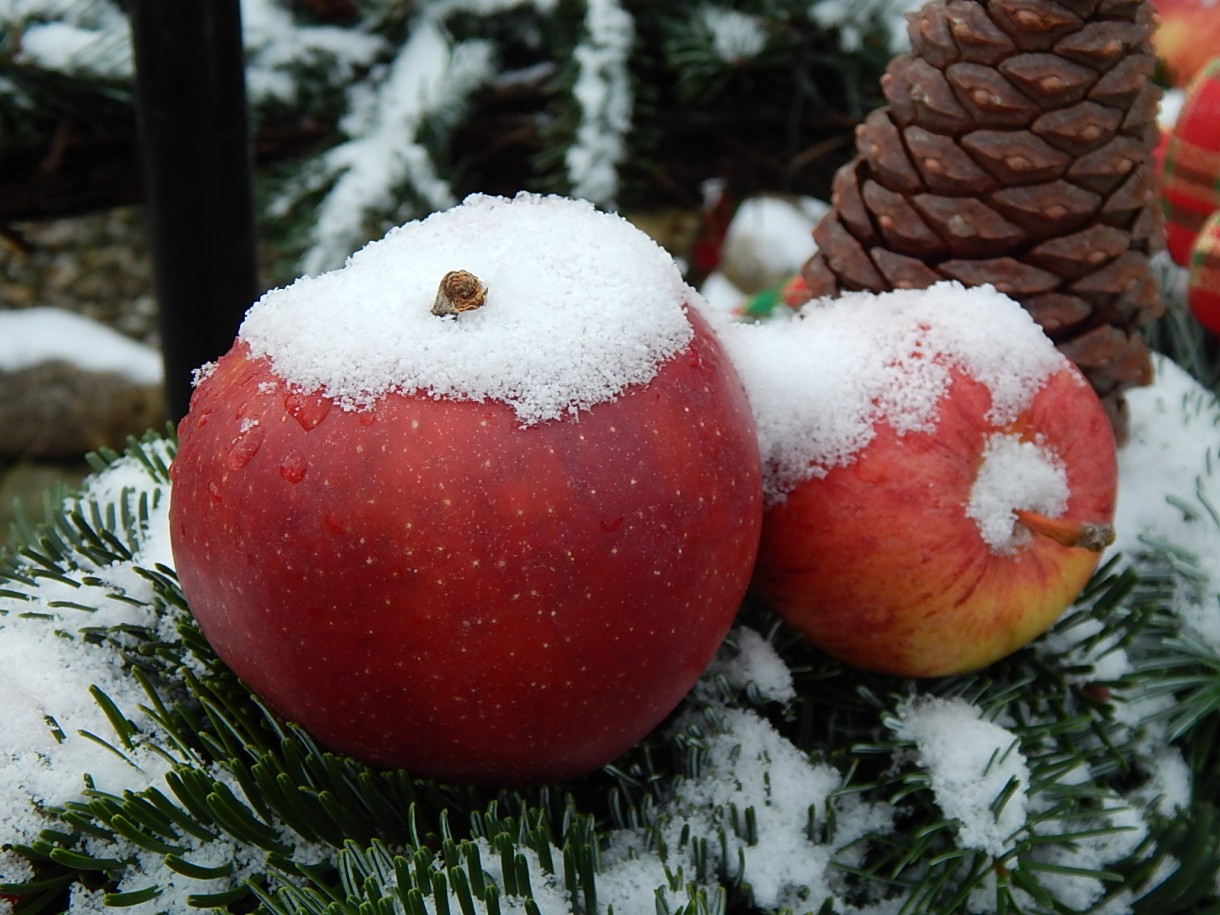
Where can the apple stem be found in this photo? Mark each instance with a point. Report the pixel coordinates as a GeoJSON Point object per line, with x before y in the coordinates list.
{"type": "Point", "coordinates": [1095, 537]}
{"type": "Point", "coordinates": [459, 291]}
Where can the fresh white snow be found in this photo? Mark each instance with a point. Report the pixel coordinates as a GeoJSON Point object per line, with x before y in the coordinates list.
{"type": "Point", "coordinates": [856, 18]}
{"type": "Point", "coordinates": [1015, 474]}
{"type": "Point", "coordinates": [603, 92]}
{"type": "Point", "coordinates": [735, 36]}
{"type": "Point", "coordinates": [428, 75]}
{"type": "Point", "coordinates": [1168, 493]}
{"type": "Point", "coordinates": [970, 762]}
{"type": "Point", "coordinates": [863, 359]}
{"type": "Point", "coordinates": [580, 304]}
{"type": "Point", "coordinates": [768, 240]}
{"type": "Point", "coordinates": [30, 336]}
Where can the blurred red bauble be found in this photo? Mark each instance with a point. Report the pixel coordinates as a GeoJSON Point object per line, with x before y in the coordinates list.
{"type": "Point", "coordinates": [1190, 172]}
{"type": "Point", "coordinates": [1203, 289]}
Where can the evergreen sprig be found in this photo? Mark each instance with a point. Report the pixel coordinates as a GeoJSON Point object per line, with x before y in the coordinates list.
{"type": "Point", "coordinates": [260, 817]}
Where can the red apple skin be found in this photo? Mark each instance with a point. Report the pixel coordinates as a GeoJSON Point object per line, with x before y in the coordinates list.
{"type": "Point", "coordinates": [429, 585]}
{"type": "Point", "coordinates": [878, 564]}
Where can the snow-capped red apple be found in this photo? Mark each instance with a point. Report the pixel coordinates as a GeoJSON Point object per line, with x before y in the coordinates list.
{"type": "Point", "coordinates": [940, 479]}
{"type": "Point", "coordinates": [495, 543]}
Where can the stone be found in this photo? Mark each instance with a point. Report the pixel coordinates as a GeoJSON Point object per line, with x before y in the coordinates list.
{"type": "Point", "coordinates": [55, 410]}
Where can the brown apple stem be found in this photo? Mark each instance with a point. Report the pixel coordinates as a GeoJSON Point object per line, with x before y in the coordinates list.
{"type": "Point", "coordinates": [459, 291]}
{"type": "Point", "coordinates": [1095, 537]}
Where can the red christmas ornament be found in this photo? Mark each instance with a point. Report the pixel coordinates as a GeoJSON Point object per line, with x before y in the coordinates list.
{"type": "Point", "coordinates": [1190, 176]}
{"type": "Point", "coordinates": [1203, 289]}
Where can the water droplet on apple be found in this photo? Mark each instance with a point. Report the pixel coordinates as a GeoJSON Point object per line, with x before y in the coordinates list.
{"type": "Point", "coordinates": [245, 446]}
{"type": "Point", "coordinates": [214, 493]}
{"type": "Point", "coordinates": [293, 468]}
{"type": "Point", "coordinates": [610, 525]}
{"type": "Point", "coordinates": [367, 417]}
{"type": "Point", "coordinates": [307, 409]}
{"type": "Point", "coordinates": [333, 524]}
{"type": "Point", "coordinates": [695, 358]}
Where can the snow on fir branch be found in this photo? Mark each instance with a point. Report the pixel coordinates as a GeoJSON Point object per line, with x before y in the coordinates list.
{"type": "Point", "coordinates": [1074, 775]}
{"type": "Point", "coordinates": [426, 86]}
{"type": "Point", "coordinates": [286, 58]}
{"type": "Point", "coordinates": [91, 39]}
{"type": "Point", "coordinates": [856, 19]}
{"type": "Point", "coordinates": [735, 36]}
{"type": "Point", "coordinates": [602, 91]}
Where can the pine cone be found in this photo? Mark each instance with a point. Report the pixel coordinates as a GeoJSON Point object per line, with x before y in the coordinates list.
{"type": "Point", "coordinates": [1015, 150]}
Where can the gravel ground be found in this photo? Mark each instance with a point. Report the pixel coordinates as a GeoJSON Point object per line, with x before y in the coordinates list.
{"type": "Point", "coordinates": [97, 265]}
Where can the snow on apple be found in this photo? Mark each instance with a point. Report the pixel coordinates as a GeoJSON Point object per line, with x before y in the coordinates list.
{"type": "Point", "coordinates": [939, 479]}
{"type": "Point", "coordinates": [1014, 473]}
{"type": "Point", "coordinates": [497, 544]}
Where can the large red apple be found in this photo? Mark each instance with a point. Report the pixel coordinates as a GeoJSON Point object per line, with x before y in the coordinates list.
{"type": "Point", "coordinates": [941, 478]}
{"type": "Point", "coordinates": [498, 546]}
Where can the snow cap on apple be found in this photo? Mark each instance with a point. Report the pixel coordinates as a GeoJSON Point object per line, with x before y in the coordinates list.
{"type": "Point", "coordinates": [579, 306]}
{"type": "Point", "coordinates": [939, 478]}
{"type": "Point", "coordinates": [481, 504]}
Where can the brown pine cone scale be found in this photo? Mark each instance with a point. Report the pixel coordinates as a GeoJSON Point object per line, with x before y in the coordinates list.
{"type": "Point", "coordinates": [1034, 25]}
{"type": "Point", "coordinates": [1014, 150]}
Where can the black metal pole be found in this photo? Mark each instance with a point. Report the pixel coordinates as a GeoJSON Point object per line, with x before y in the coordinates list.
{"type": "Point", "coordinates": [195, 145]}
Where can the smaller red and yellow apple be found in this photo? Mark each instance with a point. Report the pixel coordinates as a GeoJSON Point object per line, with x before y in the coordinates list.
{"type": "Point", "coordinates": [940, 479]}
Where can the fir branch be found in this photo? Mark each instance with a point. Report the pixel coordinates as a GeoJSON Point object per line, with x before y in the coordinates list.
{"type": "Point", "coordinates": [311, 831]}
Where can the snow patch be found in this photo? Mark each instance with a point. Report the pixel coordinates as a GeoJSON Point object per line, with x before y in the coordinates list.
{"type": "Point", "coordinates": [603, 92]}
{"type": "Point", "coordinates": [30, 336]}
{"type": "Point", "coordinates": [92, 38]}
{"type": "Point", "coordinates": [1169, 788]}
{"type": "Point", "coordinates": [47, 668]}
{"type": "Point", "coordinates": [768, 240]}
{"type": "Point", "coordinates": [971, 763]}
{"type": "Point", "coordinates": [1169, 484]}
{"type": "Point", "coordinates": [441, 9]}
{"type": "Point", "coordinates": [736, 36]}
{"type": "Point", "coordinates": [856, 19]}
{"type": "Point", "coordinates": [580, 305]}
{"type": "Point", "coordinates": [277, 49]}
{"type": "Point", "coordinates": [763, 793]}
{"type": "Point", "coordinates": [863, 359]}
{"type": "Point", "coordinates": [1015, 473]}
{"type": "Point", "coordinates": [750, 661]}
